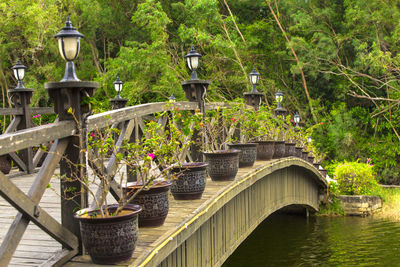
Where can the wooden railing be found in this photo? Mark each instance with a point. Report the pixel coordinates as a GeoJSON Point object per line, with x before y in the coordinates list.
{"type": "Point", "coordinates": [26, 159]}
{"type": "Point", "coordinates": [65, 143]}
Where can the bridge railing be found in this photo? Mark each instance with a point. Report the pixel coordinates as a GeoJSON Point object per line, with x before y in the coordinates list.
{"type": "Point", "coordinates": [64, 134]}
{"type": "Point", "coordinates": [27, 159]}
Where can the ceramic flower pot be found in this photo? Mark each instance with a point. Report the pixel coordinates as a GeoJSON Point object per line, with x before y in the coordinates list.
{"type": "Point", "coordinates": [304, 155]}
{"type": "Point", "coordinates": [112, 239]}
{"type": "Point", "coordinates": [191, 181]}
{"type": "Point", "coordinates": [5, 164]}
{"type": "Point", "coordinates": [298, 151]}
{"type": "Point", "coordinates": [223, 165]}
{"type": "Point", "coordinates": [154, 202]}
{"type": "Point", "coordinates": [265, 150]}
{"type": "Point", "coordinates": [290, 149]}
{"type": "Point", "coordinates": [247, 155]}
{"type": "Point", "coordinates": [279, 149]}
{"type": "Point", "coordinates": [310, 159]}
{"type": "Point", "coordinates": [316, 165]}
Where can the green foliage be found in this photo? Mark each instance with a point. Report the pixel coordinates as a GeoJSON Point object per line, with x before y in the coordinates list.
{"type": "Point", "coordinates": [355, 178]}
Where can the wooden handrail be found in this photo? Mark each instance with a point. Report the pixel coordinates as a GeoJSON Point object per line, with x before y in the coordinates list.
{"type": "Point", "coordinates": [36, 136]}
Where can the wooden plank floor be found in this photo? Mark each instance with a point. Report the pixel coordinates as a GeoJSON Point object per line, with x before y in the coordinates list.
{"type": "Point", "coordinates": [36, 246]}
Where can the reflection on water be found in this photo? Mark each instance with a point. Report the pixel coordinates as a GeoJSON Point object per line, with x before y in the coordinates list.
{"type": "Point", "coordinates": [289, 240]}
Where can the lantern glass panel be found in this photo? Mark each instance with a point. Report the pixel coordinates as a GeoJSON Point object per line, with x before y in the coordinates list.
{"type": "Point", "coordinates": [194, 62]}
{"type": "Point", "coordinates": [296, 118]}
{"type": "Point", "coordinates": [254, 79]}
{"type": "Point", "coordinates": [279, 98]}
{"type": "Point", "coordinates": [71, 47]}
{"type": "Point", "coordinates": [117, 87]}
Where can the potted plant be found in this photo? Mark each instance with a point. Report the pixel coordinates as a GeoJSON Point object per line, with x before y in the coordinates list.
{"type": "Point", "coordinates": [190, 177]}
{"type": "Point", "coordinates": [242, 118]}
{"type": "Point", "coordinates": [109, 231]}
{"type": "Point", "coordinates": [223, 163]}
{"type": "Point", "coordinates": [156, 163]}
{"type": "Point", "coordinates": [290, 137]}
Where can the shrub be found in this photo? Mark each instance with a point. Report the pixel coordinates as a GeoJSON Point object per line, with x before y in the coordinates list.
{"type": "Point", "coordinates": [355, 178]}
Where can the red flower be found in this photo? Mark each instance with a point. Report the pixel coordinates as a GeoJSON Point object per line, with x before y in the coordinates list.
{"type": "Point", "coordinates": [321, 123]}
{"type": "Point", "coordinates": [233, 119]}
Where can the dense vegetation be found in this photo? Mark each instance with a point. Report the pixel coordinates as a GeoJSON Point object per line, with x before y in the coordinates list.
{"type": "Point", "coordinates": [336, 61]}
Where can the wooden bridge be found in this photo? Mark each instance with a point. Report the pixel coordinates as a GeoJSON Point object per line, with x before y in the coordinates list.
{"type": "Point", "coordinates": [196, 233]}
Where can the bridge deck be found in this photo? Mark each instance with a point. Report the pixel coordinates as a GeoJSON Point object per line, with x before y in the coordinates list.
{"type": "Point", "coordinates": [37, 246]}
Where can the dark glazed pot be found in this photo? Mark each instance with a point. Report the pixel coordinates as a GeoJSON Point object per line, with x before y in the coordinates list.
{"type": "Point", "coordinates": [191, 181]}
{"type": "Point", "coordinates": [265, 150]}
{"type": "Point", "coordinates": [311, 159]}
{"type": "Point", "coordinates": [5, 164]}
{"type": "Point", "coordinates": [298, 151]}
{"type": "Point", "coordinates": [154, 203]}
{"type": "Point", "coordinates": [110, 240]}
{"type": "Point", "coordinates": [279, 151]}
{"type": "Point", "coordinates": [247, 155]}
{"type": "Point", "coordinates": [316, 165]}
{"type": "Point", "coordinates": [304, 155]}
{"type": "Point", "coordinates": [290, 149]}
{"type": "Point", "coordinates": [223, 165]}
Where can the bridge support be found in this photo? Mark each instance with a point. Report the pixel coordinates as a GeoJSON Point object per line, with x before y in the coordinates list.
{"type": "Point", "coordinates": [69, 105]}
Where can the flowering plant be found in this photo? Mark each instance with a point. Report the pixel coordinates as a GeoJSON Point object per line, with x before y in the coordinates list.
{"type": "Point", "coordinates": [163, 145]}
{"type": "Point", "coordinates": [218, 129]}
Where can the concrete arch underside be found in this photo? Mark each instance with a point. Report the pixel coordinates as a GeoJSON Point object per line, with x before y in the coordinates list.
{"type": "Point", "coordinates": [210, 241]}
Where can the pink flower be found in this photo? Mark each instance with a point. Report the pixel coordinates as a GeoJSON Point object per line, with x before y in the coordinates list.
{"type": "Point", "coordinates": [233, 119]}
{"type": "Point", "coordinates": [291, 120]}
{"type": "Point", "coordinates": [92, 134]}
{"type": "Point", "coordinates": [151, 155]}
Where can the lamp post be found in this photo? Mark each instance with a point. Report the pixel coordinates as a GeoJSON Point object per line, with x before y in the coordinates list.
{"type": "Point", "coordinates": [68, 96]}
{"type": "Point", "coordinates": [118, 101]}
{"type": "Point", "coordinates": [195, 89]}
{"type": "Point", "coordinates": [21, 98]}
{"type": "Point", "coordinates": [254, 97]}
{"type": "Point", "coordinates": [279, 111]}
{"type": "Point", "coordinates": [297, 119]}
{"type": "Point", "coordinates": [172, 98]}
{"type": "Point", "coordinates": [68, 45]}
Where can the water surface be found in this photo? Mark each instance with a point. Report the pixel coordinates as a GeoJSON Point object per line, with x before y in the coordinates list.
{"type": "Point", "coordinates": [290, 240]}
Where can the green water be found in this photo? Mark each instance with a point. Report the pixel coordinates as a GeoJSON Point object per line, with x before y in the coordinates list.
{"type": "Point", "coordinates": [288, 240]}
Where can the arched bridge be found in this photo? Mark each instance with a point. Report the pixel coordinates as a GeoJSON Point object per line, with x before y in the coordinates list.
{"type": "Point", "coordinates": [206, 232]}
{"type": "Point", "coordinates": [200, 232]}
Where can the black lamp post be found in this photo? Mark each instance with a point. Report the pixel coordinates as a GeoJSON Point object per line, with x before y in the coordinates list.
{"type": "Point", "coordinates": [193, 60]}
{"type": "Point", "coordinates": [21, 98]}
{"type": "Point", "coordinates": [172, 98]}
{"type": "Point", "coordinates": [297, 119]}
{"type": "Point", "coordinates": [254, 97]}
{"type": "Point", "coordinates": [68, 45]}
{"type": "Point", "coordinates": [195, 89]}
{"type": "Point", "coordinates": [69, 97]}
{"type": "Point", "coordinates": [118, 101]}
{"type": "Point", "coordinates": [279, 111]}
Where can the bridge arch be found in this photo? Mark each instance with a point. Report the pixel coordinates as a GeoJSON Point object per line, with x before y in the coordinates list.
{"type": "Point", "coordinates": [221, 224]}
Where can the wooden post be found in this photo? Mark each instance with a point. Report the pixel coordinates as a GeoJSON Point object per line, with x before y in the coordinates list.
{"type": "Point", "coordinates": [22, 98]}
{"type": "Point", "coordinates": [254, 99]}
{"type": "Point", "coordinates": [195, 91]}
{"type": "Point", "coordinates": [67, 97]}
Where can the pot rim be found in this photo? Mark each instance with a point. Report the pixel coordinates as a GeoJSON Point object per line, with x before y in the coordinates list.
{"type": "Point", "coordinates": [221, 152]}
{"type": "Point", "coordinates": [265, 141]}
{"type": "Point", "coordinates": [191, 165]}
{"type": "Point", "coordinates": [243, 144]}
{"type": "Point", "coordinates": [136, 184]}
{"type": "Point", "coordinates": [133, 207]}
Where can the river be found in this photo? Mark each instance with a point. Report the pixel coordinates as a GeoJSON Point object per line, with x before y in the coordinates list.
{"type": "Point", "coordinates": [290, 240]}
